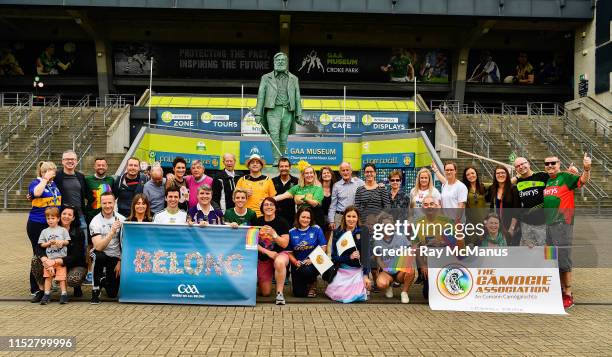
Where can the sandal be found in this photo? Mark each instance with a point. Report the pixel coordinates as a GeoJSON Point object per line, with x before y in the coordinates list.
{"type": "Point", "coordinates": [312, 293]}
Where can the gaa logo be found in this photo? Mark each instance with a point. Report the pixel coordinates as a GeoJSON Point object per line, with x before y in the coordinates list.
{"type": "Point", "coordinates": [188, 289]}
{"type": "Point", "coordinates": [166, 117]}
{"type": "Point", "coordinates": [454, 281]}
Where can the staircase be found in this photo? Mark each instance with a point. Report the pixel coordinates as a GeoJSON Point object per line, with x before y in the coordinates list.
{"type": "Point", "coordinates": [505, 131]}
{"type": "Point", "coordinates": [89, 121]}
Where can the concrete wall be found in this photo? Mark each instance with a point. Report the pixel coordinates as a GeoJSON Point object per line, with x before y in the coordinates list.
{"type": "Point", "coordinates": [584, 62]}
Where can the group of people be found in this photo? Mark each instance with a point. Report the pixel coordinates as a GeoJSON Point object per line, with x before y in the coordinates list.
{"type": "Point", "coordinates": [75, 221]}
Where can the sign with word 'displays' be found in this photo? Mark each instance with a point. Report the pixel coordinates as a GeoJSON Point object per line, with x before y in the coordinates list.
{"type": "Point", "coordinates": [170, 264]}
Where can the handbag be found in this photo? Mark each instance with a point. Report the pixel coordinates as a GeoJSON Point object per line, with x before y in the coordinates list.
{"type": "Point", "coordinates": [330, 273]}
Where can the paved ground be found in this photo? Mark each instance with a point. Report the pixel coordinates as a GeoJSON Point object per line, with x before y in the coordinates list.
{"type": "Point", "coordinates": [316, 328]}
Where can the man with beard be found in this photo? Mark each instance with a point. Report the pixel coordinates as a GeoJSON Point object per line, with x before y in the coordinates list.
{"type": "Point", "coordinates": [282, 183]}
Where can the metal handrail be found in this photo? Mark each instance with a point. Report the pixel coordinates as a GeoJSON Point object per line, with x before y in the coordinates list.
{"type": "Point", "coordinates": [84, 138]}
{"type": "Point", "coordinates": [22, 112]}
{"type": "Point", "coordinates": [571, 125]}
{"type": "Point", "coordinates": [42, 144]}
{"type": "Point", "coordinates": [510, 130]}
{"type": "Point", "coordinates": [554, 146]}
{"type": "Point", "coordinates": [15, 99]}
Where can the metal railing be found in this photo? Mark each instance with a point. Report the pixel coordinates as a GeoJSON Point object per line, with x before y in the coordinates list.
{"type": "Point", "coordinates": [116, 100]}
{"type": "Point", "coordinates": [556, 147]}
{"type": "Point", "coordinates": [510, 131]}
{"type": "Point", "coordinates": [10, 99]}
{"type": "Point", "coordinates": [52, 106]}
{"type": "Point", "coordinates": [571, 126]}
{"type": "Point", "coordinates": [82, 141]}
{"type": "Point", "coordinates": [41, 145]}
{"type": "Point", "coordinates": [17, 117]}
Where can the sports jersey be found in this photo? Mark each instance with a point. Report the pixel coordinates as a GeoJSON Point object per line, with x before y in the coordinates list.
{"type": "Point", "coordinates": [50, 197]}
{"type": "Point", "coordinates": [261, 187]}
{"type": "Point", "coordinates": [303, 241]}
{"type": "Point", "coordinates": [531, 195]}
{"type": "Point", "coordinates": [180, 217]}
{"type": "Point", "coordinates": [559, 202]}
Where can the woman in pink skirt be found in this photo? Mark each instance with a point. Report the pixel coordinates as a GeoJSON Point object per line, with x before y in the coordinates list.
{"type": "Point", "coordinates": [351, 282]}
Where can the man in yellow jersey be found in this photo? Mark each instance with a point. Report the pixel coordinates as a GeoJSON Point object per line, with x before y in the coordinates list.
{"type": "Point", "coordinates": [257, 185]}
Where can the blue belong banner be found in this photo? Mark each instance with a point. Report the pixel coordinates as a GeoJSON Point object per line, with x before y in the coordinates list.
{"type": "Point", "coordinates": [177, 264]}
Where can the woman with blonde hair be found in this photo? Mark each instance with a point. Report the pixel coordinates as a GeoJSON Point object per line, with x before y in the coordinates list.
{"type": "Point", "coordinates": [307, 193]}
{"type": "Point", "coordinates": [423, 187]}
{"type": "Point", "coordinates": [43, 193]}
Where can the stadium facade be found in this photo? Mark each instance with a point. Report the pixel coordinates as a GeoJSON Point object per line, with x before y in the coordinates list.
{"type": "Point", "coordinates": [373, 47]}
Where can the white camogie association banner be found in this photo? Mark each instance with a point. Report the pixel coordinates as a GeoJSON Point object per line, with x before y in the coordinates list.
{"type": "Point", "coordinates": [508, 279]}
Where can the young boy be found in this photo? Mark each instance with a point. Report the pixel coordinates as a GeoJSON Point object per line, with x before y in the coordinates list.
{"type": "Point", "coordinates": [54, 239]}
{"type": "Point", "coordinates": [240, 215]}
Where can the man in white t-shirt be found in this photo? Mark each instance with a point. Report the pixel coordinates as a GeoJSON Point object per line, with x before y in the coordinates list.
{"type": "Point", "coordinates": [105, 230]}
{"type": "Point", "coordinates": [172, 214]}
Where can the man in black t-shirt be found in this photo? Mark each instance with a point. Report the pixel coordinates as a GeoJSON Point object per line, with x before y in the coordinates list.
{"type": "Point", "coordinates": [128, 185]}
{"type": "Point", "coordinates": [282, 183]}
{"type": "Point", "coordinates": [531, 187]}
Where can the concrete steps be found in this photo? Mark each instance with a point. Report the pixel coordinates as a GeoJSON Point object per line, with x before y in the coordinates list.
{"type": "Point", "coordinates": [500, 148]}
{"type": "Point", "coordinates": [23, 144]}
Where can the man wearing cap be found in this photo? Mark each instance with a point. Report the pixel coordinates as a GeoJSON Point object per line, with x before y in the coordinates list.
{"type": "Point", "coordinates": [256, 185]}
{"type": "Point", "coordinates": [279, 105]}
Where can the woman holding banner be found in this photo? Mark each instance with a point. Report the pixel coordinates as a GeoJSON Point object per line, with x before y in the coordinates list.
{"type": "Point", "coordinates": [303, 239]}
{"type": "Point", "coordinates": [272, 260]}
{"type": "Point", "coordinates": [348, 245]}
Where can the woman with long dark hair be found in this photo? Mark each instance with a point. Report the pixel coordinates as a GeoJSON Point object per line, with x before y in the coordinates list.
{"type": "Point", "coordinates": [476, 206]}
{"type": "Point", "coordinates": [141, 209]}
{"type": "Point", "coordinates": [352, 281]}
{"type": "Point", "coordinates": [504, 200]}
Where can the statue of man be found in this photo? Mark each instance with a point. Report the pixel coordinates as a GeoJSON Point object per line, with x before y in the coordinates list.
{"type": "Point", "coordinates": [279, 105]}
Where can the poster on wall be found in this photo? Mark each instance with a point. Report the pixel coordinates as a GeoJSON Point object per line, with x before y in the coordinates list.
{"type": "Point", "coordinates": [370, 64]}
{"type": "Point", "coordinates": [53, 58]}
{"type": "Point", "coordinates": [519, 67]}
{"type": "Point", "coordinates": [200, 61]}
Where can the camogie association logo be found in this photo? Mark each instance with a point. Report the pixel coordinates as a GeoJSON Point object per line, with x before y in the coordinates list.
{"type": "Point", "coordinates": [454, 281]}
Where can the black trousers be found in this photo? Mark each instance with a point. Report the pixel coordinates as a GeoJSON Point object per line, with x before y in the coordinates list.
{"type": "Point", "coordinates": [34, 229]}
{"type": "Point", "coordinates": [302, 277]}
{"type": "Point", "coordinates": [101, 261]}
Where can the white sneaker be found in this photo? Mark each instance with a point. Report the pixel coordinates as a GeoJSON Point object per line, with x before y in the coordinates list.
{"type": "Point", "coordinates": [280, 299]}
{"type": "Point", "coordinates": [389, 292]}
{"type": "Point", "coordinates": [404, 297]}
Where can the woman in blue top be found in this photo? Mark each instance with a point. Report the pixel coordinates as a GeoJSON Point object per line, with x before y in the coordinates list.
{"type": "Point", "coordinates": [352, 279]}
{"type": "Point", "coordinates": [303, 239]}
{"type": "Point", "coordinates": [43, 193]}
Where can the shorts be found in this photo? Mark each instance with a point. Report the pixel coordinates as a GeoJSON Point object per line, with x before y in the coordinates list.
{"type": "Point", "coordinates": [265, 271]}
{"type": "Point", "coordinates": [533, 234]}
{"type": "Point", "coordinates": [561, 236]}
{"type": "Point", "coordinates": [60, 272]}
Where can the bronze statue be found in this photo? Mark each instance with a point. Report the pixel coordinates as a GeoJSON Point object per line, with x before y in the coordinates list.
{"type": "Point", "coordinates": [279, 106]}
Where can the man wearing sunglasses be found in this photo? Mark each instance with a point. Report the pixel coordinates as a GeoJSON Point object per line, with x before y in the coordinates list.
{"type": "Point", "coordinates": [559, 208]}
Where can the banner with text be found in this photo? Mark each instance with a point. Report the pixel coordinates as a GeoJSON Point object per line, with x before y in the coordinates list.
{"type": "Point", "coordinates": [134, 59]}
{"type": "Point", "coordinates": [188, 265]}
{"type": "Point", "coordinates": [399, 65]}
{"type": "Point", "coordinates": [316, 153]}
{"type": "Point", "coordinates": [489, 279]}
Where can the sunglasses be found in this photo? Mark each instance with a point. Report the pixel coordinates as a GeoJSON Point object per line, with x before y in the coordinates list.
{"type": "Point", "coordinates": [550, 163]}
{"type": "Point", "coordinates": [395, 180]}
